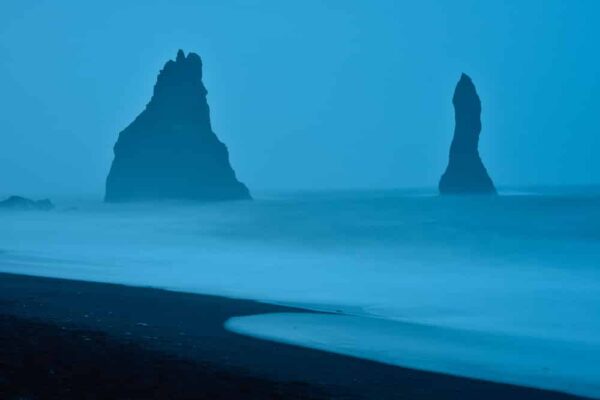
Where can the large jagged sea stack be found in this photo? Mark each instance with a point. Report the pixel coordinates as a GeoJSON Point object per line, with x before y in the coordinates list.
{"type": "Point", "coordinates": [466, 173]}
{"type": "Point", "coordinates": [170, 150]}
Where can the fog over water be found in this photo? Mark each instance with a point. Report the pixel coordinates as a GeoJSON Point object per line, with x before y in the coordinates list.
{"type": "Point", "coordinates": [502, 288]}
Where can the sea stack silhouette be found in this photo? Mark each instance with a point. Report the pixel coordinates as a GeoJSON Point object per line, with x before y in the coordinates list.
{"type": "Point", "coordinates": [466, 173]}
{"type": "Point", "coordinates": [170, 150]}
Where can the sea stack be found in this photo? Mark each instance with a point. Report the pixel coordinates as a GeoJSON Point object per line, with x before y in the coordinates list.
{"type": "Point", "coordinates": [170, 150]}
{"type": "Point", "coordinates": [465, 173]}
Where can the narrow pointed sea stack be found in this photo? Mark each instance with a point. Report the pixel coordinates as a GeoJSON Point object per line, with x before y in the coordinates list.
{"type": "Point", "coordinates": [170, 151]}
{"type": "Point", "coordinates": [465, 173]}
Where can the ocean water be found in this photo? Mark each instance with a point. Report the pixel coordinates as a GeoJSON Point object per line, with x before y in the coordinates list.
{"type": "Point", "coordinates": [504, 288]}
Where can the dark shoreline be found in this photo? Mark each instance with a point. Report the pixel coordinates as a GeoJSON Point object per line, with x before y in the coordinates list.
{"type": "Point", "coordinates": [71, 339]}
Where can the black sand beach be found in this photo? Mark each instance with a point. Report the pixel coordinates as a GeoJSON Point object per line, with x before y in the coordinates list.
{"type": "Point", "coordinates": [62, 339]}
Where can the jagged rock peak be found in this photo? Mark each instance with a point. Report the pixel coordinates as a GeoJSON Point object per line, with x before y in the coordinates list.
{"type": "Point", "coordinates": [170, 151]}
{"type": "Point", "coordinates": [191, 62]}
{"type": "Point", "coordinates": [181, 78]}
{"type": "Point", "coordinates": [465, 172]}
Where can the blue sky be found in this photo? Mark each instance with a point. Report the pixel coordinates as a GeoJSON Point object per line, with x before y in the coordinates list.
{"type": "Point", "coordinates": [306, 94]}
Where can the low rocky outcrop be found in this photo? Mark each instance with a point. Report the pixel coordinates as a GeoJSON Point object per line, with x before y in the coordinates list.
{"type": "Point", "coordinates": [170, 150]}
{"type": "Point", "coordinates": [466, 173]}
{"type": "Point", "coordinates": [23, 203]}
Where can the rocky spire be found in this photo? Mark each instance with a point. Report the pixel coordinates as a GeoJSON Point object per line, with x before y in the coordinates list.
{"type": "Point", "coordinates": [465, 172]}
{"type": "Point", "coordinates": [170, 151]}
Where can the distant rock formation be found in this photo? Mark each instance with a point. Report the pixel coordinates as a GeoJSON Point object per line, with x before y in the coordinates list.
{"type": "Point", "coordinates": [465, 173]}
{"type": "Point", "coordinates": [22, 203]}
{"type": "Point", "coordinates": [170, 151]}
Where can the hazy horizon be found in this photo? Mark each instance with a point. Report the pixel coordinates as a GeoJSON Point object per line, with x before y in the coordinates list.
{"type": "Point", "coordinates": [306, 96]}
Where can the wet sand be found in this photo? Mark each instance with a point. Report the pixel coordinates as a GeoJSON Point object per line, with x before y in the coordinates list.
{"type": "Point", "coordinates": [70, 339]}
